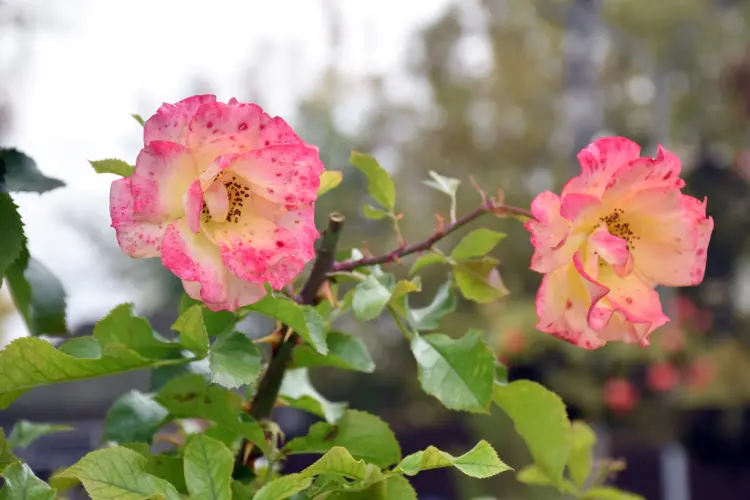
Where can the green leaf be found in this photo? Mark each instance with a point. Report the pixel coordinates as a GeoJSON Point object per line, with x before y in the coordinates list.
{"type": "Point", "coordinates": [216, 322]}
{"type": "Point", "coordinates": [447, 185]}
{"type": "Point", "coordinates": [190, 396]}
{"type": "Point", "coordinates": [428, 318]}
{"type": "Point", "coordinates": [284, 487]}
{"type": "Point", "coordinates": [118, 473]}
{"type": "Point", "coordinates": [18, 172]}
{"type": "Point", "coordinates": [401, 290]}
{"type": "Point", "coordinates": [373, 213]}
{"type": "Point", "coordinates": [370, 298]}
{"type": "Point", "coordinates": [581, 460]}
{"type": "Point", "coordinates": [477, 243]}
{"type": "Point", "coordinates": [330, 179]}
{"type": "Point", "coordinates": [305, 320]}
{"type": "Point", "coordinates": [192, 330]}
{"type": "Point", "coordinates": [33, 362]}
{"type": "Point", "coordinates": [24, 432]}
{"type": "Point", "coordinates": [112, 166]}
{"type": "Point", "coordinates": [139, 119]}
{"type": "Point", "coordinates": [479, 280]}
{"type": "Point", "coordinates": [168, 467]}
{"type": "Point", "coordinates": [344, 351]}
{"type": "Point", "coordinates": [366, 437]}
{"type": "Point", "coordinates": [392, 488]}
{"type": "Point", "coordinates": [22, 484]}
{"type": "Point", "coordinates": [460, 373]}
{"type": "Point", "coordinates": [122, 326]}
{"type": "Point", "coordinates": [297, 391]}
{"type": "Point", "coordinates": [479, 462]}
{"type": "Point", "coordinates": [208, 468]}
{"type": "Point", "coordinates": [6, 455]}
{"type": "Point", "coordinates": [427, 260]}
{"type": "Point", "coordinates": [531, 474]}
{"type": "Point", "coordinates": [338, 461]}
{"type": "Point", "coordinates": [379, 182]}
{"type": "Point", "coordinates": [38, 295]}
{"type": "Point", "coordinates": [234, 360]}
{"type": "Point", "coordinates": [540, 418]}
{"type": "Point", "coordinates": [610, 493]}
{"type": "Point", "coordinates": [134, 417]}
{"type": "Point", "coordinates": [11, 233]}
{"type": "Point", "coordinates": [82, 347]}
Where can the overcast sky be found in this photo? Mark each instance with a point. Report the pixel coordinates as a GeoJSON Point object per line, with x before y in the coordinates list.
{"type": "Point", "coordinates": [93, 62]}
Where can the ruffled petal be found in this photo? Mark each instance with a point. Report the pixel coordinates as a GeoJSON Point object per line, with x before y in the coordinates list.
{"type": "Point", "coordinates": [630, 311]}
{"type": "Point", "coordinates": [194, 258]}
{"type": "Point", "coordinates": [219, 129]}
{"type": "Point", "coordinates": [673, 248]}
{"type": "Point", "coordinates": [163, 173]}
{"type": "Point", "coordinates": [172, 121]}
{"type": "Point", "coordinates": [610, 248]}
{"type": "Point", "coordinates": [599, 161]}
{"type": "Point", "coordinates": [258, 250]}
{"type": "Point", "coordinates": [550, 234]}
{"type": "Point", "coordinates": [562, 305]}
{"type": "Point", "coordinates": [288, 175]}
{"type": "Point", "coordinates": [301, 223]}
{"type": "Point", "coordinates": [241, 293]}
{"type": "Point", "coordinates": [192, 203]}
{"type": "Point", "coordinates": [139, 239]}
{"type": "Point", "coordinates": [662, 172]}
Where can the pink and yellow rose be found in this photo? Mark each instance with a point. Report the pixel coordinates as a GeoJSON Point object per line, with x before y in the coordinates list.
{"type": "Point", "coordinates": [224, 194]}
{"type": "Point", "coordinates": [617, 230]}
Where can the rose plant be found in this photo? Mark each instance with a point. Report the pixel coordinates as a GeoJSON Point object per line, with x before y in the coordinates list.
{"type": "Point", "coordinates": [224, 195]}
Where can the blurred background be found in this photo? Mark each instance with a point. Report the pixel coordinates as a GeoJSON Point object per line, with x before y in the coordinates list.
{"type": "Point", "coordinates": [506, 91]}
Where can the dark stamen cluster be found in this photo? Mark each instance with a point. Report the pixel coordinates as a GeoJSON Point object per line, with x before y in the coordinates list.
{"type": "Point", "coordinates": [617, 227]}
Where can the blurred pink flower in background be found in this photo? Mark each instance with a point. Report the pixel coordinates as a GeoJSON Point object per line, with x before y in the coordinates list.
{"type": "Point", "coordinates": [620, 396]}
{"type": "Point", "coordinates": [618, 230]}
{"type": "Point", "coordinates": [700, 373]}
{"type": "Point", "coordinates": [225, 195]}
{"type": "Point", "coordinates": [662, 377]}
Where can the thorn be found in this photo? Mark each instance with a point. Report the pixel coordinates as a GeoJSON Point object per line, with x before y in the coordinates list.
{"type": "Point", "coordinates": [479, 189]}
{"type": "Point", "coordinates": [398, 216]}
{"type": "Point", "coordinates": [439, 223]}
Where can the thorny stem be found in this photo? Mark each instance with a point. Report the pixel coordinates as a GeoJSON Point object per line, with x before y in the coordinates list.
{"type": "Point", "coordinates": [487, 207]}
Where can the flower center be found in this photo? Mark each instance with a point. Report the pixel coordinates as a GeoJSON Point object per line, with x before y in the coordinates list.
{"type": "Point", "coordinates": [617, 226]}
{"type": "Point", "coordinates": [237, 193]}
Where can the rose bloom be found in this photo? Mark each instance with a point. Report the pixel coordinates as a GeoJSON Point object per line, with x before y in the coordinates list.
{"type": "Point", "coordinates": [620, 395]}
{"type": "Point", "coordinates": [662, 377]}
{"type": "Point", "coordinates": [617, 230]}
{"type": "Point", "coordinates": [224, 194]}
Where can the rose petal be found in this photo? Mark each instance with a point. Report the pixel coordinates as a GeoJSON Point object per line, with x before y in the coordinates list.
{"type": "Point", "coordinates": [219, 129]}
{"type": "Point", "coordinates": [194, 258]}
{"type": "Point", "coordinates": [140, 239]}
{"type": "Point", "coordinates": [562, 304]}
{"type": "Point", "coordinates": [610, 248]}
{"type": "Point", "coordinates": [255, 249]}
{"type": "Point", "coordinates": [171, 121]}
{"type": "Point", "coordinates": [550, 234]}
{"type": "Point", "coordinates": [163, 173]}
{"type": "Point", "coordinates": [645, 173]}
{"type": "Point", "coordinates": [288, 175]}
{"type": "Point", "coordinates": [671, 257]}
{"type": "Point", "coordinates": [599, 161]}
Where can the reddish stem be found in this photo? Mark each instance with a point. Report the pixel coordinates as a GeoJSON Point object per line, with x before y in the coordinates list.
{"type": "Point", "coordinates": [487, 207]}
